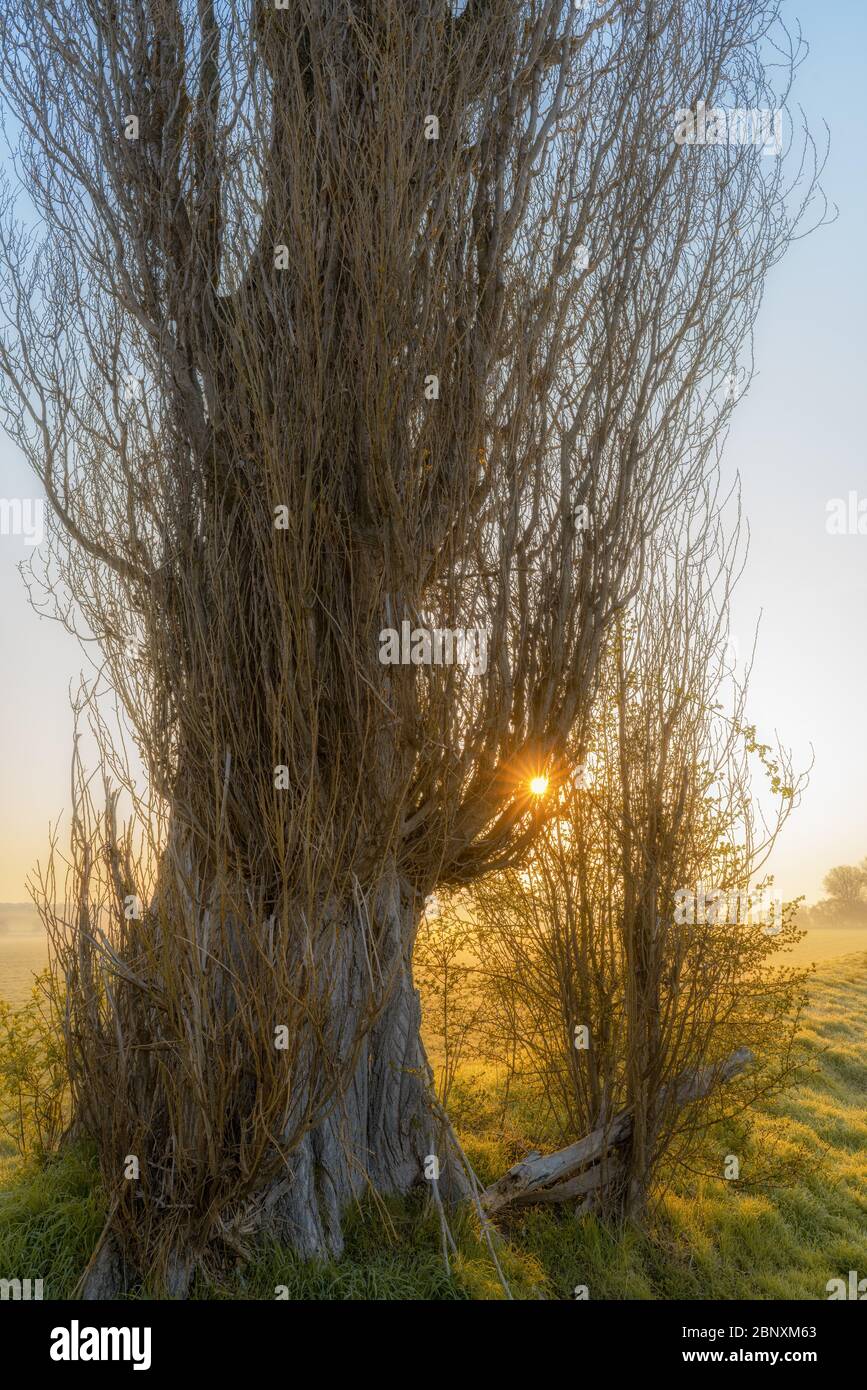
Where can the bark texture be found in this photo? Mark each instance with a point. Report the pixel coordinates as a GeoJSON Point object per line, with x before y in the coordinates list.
{"type": "Point", "coordinates": [377, 1130]}
{"type": "Point", "coordinates": [380, 1132]}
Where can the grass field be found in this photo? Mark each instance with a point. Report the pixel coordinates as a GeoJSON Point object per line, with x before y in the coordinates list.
{"type": "Point", "coordinates": [709, 1239]}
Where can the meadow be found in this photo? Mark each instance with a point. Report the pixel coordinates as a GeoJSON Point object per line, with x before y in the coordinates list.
{"type": "Point", "coordinates": [706, 1238]}
{"type": "Point", "coordinates": [23, 953]}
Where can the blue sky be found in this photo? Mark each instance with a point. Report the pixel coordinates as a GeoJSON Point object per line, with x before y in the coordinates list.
{"type": "Point", "coordinates": [799, 440]}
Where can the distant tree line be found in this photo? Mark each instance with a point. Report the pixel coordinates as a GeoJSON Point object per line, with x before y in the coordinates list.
{"type": "Point", "coordinates": [846, 901]}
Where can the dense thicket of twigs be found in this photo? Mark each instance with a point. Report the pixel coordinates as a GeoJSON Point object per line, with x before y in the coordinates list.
{"type": "Point", "coordinates": [585, 974]}
{"type": "Point", "coordinates": [241, 262]}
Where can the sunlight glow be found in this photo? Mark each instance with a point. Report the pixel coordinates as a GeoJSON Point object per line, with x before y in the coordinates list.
{"type": "Point", "coordinates": [539, 786]}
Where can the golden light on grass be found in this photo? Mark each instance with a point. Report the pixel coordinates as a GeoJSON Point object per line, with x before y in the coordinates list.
{"type": "Point", "coordinates": [539, 785]}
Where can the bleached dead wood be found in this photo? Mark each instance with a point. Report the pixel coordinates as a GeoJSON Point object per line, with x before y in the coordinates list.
{"type": "Point", "coordinates": [577, 1169]}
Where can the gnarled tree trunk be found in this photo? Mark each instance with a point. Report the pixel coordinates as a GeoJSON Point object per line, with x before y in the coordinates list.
{"type": "Point", "coordinates": [372, 1123]}
{"type": "Point", "coordinates": [380, 1132]}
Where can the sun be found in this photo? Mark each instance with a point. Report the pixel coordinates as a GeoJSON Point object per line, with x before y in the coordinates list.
{"type": "Point", "coordinates": [539, 786]}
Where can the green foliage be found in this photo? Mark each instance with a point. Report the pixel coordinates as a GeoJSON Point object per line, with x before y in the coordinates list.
{"type": "Point", "coordinates": [393, 1251]}
{"type": "Point", "coordinates": [33, 1083]}
{"type": "Point", "coordinates": [50, 1221]}
{"type": "Point", "coordinates": [707, 1238]}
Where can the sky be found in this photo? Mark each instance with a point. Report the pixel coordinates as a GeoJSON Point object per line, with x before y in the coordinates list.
{"type": "Point", "coordinates": [798, 441]}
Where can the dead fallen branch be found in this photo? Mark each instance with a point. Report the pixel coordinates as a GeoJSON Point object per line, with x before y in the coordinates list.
{"type": "Point", "coordinates": [586, 1165]}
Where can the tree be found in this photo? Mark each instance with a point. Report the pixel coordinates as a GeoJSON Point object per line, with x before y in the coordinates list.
{"type": "Point", "coordinates": [635, 948]}
{"type": "Point", "coordinates": [334, 318]}
{"type": "Point", "coordinates": [845, 884]}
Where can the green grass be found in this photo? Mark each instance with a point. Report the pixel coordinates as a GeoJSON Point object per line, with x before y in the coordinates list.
{"type": "Point", "coordinates": [50, 1221]}
{"type": "Point", "coordinates": [708, 1239]}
